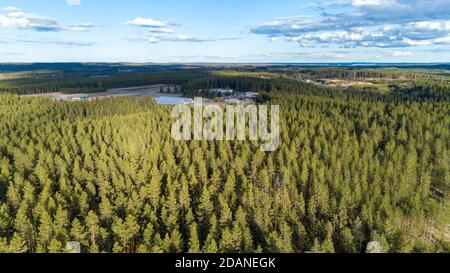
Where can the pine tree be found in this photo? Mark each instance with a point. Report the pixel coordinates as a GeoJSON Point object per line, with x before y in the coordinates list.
{"type": "Point", "coordinates": [92, 228]}
{"type": "Point", "coordinates": [210, 245]}
{"type": "Point", "coordinates": [346, 241]}
{"type": "Point", "coordinates": [226, 242]}
{"type": "Point", "coordinates": [17, 244]}
{"type": "Point", "coordinates": [45, 231]}
{"type": "Point", "coordinates": [61, 224]}
{"type": "Point", "coordinates": [205, 208]}
{"type": "Point", "coordinates": [194, 244]}
{"type": "Point", "coordinates": [55, 246]}
{"type": "Point", "coordinates": [78, 233]}
{"type": "Point", "coordinates": [126, 232]}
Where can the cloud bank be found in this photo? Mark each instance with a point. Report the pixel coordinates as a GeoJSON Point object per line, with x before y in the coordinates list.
{"type": "Point", "coordinates": [12, 17]}
{"type": "Point", "coordinates": [16, 18]}
{"type": "Point", "coordinates": [159, 31]}
{"type": "Point", "coordinates": [366, 23]}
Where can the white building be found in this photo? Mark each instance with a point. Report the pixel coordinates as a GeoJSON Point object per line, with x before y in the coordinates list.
{"type": "Point", "coordinates": [79, 97]}
{"type": "Point", "coordinates": [221, 90]}
{"type": "Point", "coordinates": [233, 101]}
{"type": "Point", "coordinates": [251, 94]}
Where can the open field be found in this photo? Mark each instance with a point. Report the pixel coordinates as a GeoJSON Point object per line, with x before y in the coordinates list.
{"type": "Point", "coordinates": [138, 91]}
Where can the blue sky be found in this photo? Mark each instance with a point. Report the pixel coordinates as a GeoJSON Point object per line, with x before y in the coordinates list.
{"type": "Point", "coordinates": [225, 31]}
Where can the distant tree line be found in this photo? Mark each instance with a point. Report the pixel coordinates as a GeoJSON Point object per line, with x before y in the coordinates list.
{"type": "Point", "coordinates": [75, 83]}
{"type": "Point", "coordinates": [419, 90]}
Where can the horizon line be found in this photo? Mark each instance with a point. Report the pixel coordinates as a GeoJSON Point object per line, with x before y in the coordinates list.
{"type": "Point", "coordinates": [181, 63]}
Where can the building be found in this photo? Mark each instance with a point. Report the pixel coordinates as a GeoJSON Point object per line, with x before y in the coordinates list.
{"type": "Point", "coordinates": [233, 101]}
{"type": "Point", "coordinates": [221, 91]}
{"type": "Point", "coordinates": [243, 94]}
{"type": "Point", "coordinates": [79, 97]}
{"type": "Point", "coordinates": [251, 95]}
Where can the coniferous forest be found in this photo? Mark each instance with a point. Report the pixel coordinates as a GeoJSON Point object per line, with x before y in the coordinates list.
{"type": "Point", "coordinates": [352, 167]}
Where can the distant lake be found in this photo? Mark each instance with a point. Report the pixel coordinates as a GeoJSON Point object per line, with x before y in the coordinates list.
{"type": "Point", "coordinates": [173, 100]}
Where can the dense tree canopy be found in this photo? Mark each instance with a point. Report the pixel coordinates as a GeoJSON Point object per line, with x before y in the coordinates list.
{"type": "Point", "coordinates": [351, 168]}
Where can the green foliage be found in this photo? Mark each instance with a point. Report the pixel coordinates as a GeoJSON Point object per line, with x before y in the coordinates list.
{"type": "Point", "coordinates": [351, 168]}
{"type": "Point", "coordinates": [79, 82]}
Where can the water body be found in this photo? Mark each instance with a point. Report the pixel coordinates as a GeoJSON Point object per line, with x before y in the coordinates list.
{"type": "Point", "coordinates": [173, 100]}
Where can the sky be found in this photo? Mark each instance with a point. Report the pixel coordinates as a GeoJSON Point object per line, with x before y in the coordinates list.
{"type": "Point", "coordinates": [228, 31]}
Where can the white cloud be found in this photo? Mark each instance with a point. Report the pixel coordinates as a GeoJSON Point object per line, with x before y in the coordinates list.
{"type": "Point", "coordinates": [37, 41]}
{"type": "Point", "coordinates": [161, 30]}
{"type": "Point", "coordinates": [402, 53]}
{"type": "Point", "coordinates": [443, 40]}
{"type": "Point", "coordinates": [16, 18]}
{"type": "Point", "coordinates": [431, 25]}
{"type": "Point", "coordinates": [417, 43]}
{"type": "Point", "coordinates": [176, 38]}
{"type": "Point", "coordinates": [154, 26]}
{"type": "Point", "coordinates": [9, 9]}
{"type": "Point", "coordinates": [73, 2]}
{"type": "Point", "coordinates": [81, 27]}
{"type": "Point", "coordinates": [359, 3]}
{"type": "Point", "coordinates": [12, 17]}
{"type": "Point", "coordinates": [155, 38]}
{"type": "Point", "coordinates": [367, 23]}
{"type": "Point", "coordinates": [146, 22]}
